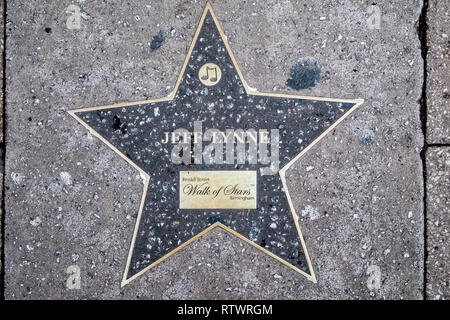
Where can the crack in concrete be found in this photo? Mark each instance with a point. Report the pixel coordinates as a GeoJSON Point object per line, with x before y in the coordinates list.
{"type": "Point", "coordinates": [422, 33]}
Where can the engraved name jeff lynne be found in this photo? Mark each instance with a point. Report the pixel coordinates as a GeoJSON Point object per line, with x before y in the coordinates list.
{"type": "Point", "coordinates": [225, 147]}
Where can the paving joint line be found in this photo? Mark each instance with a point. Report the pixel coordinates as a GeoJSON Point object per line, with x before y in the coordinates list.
{"type": "Point", "coordinates": [422, 34]}
{"type": "Point", "coordinates": [3, 158]}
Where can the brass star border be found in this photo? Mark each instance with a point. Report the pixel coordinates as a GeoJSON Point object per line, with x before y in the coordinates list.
{"type": "Point", "coordinates": [282, 172]}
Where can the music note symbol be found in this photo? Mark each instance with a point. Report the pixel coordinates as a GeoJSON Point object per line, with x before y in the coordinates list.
{"type": "Point", "coordinates": [206, 76]}
{"type": "Point", "coordinates": [210, 74]}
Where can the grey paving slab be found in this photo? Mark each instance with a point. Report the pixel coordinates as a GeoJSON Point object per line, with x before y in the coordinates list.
{"type": "Point", "coordinates": [72, 203]}
{"type": "Point", "coordinates": [438, 221]}
{"type": "Point", "coordinates": [438, 64]}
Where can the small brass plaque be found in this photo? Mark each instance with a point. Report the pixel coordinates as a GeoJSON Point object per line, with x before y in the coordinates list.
{"type": "Point", "coordinates": [229, 189]}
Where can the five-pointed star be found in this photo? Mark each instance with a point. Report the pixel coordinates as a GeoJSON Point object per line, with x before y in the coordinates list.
{"type": "Point", "coordinates": [135, 131]}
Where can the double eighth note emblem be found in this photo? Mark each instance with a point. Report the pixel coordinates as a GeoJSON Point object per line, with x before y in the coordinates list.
{"type": "Point", "coordinates": [210, 74]}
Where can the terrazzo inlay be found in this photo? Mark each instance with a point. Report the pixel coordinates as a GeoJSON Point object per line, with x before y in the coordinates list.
{"type": "Point", "coordinates": [211, 94]}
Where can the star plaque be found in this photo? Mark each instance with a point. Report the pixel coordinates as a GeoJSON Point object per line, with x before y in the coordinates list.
{"type": "Point", "coordinates": [214, 154]}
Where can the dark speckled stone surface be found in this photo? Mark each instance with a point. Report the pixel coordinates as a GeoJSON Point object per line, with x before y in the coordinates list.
{"type": "Point", "coordinates": [137, 132]}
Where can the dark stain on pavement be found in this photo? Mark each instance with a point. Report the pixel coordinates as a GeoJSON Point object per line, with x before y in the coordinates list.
{"type": "Point", "coordinates": [304, 74]}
